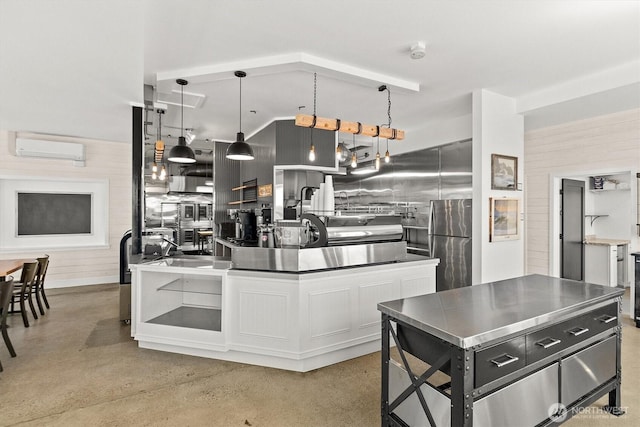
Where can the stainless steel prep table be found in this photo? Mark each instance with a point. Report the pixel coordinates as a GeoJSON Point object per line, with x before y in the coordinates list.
{"type": "Point", "coordinates": [515, 351]}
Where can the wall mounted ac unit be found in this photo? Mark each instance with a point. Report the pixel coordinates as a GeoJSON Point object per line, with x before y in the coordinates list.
{"type": "Point", "coordinates": [50, 150]}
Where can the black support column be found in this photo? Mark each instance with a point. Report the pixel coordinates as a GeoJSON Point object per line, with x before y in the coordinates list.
{"type": "Point", "coordinates": [137, 145]}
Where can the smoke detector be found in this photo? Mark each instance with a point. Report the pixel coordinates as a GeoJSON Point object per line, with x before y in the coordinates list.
{"type": "Point", "coordinates": [418, 50]}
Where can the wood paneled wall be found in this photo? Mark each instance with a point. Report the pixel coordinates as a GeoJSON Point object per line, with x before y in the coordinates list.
{"type": "Point", "coordinates": [104, 160]}
{"type": "Point", "coordinates": [605, 142]}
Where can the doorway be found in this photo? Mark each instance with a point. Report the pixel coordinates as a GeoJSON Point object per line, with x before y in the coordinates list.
{"type": "Point", "coordinates": [572, 229]}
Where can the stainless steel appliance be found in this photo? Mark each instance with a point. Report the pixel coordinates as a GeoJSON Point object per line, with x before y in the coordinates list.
{"type": "Point", "coordinates": [309, 244]}
{"type": "Point", "coordinates": [247, 220]}
{"type": "Point", "coordinates": [450, 241]}
{"type": "Point", "coordinates": [187, 211]}
{"type": "Point", "coordinates": [203, 211]}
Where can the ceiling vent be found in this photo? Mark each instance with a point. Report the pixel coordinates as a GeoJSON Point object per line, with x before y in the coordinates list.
{"type": "Point", "coordinates": [51, 150]}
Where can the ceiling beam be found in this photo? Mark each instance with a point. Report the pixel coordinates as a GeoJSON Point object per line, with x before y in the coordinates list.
{"type": "Point", "coordinates": [298, 61]}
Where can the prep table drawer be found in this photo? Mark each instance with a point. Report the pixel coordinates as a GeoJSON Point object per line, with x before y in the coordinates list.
{"type": "Point", "coordinates": [497, 361]}
{"type": "Point", "coordinates": [550, 340]}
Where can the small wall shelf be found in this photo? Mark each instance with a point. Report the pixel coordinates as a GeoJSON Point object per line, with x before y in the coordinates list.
{"type": "Point", "coordinates": [249, 192]}
{"type": "Point", "coordinates": [594, 217]}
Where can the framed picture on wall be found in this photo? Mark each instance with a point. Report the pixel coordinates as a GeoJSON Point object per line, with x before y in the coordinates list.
{"type": "Point", "coordinates": [504, 172]}
{"type": "Point", "coordinates": [504, 219]}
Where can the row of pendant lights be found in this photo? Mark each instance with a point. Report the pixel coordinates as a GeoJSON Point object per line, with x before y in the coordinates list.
{"type": "Point", "coordinates": [182, 153]}
{"type": "Point", "coordinates": [241, 150]}
{"type": "Point", "coordinates": [340, 155]}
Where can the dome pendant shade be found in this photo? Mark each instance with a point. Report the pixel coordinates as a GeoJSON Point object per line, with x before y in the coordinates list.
{"type": "Point", "coordinates": [239, 150]}
{"type": "Point", "coordinates": [181, 153]}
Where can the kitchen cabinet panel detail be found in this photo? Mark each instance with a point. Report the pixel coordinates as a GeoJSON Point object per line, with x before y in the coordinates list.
{"type": "Point", "coordinates": [263, 314]}
{"type": "Point", "coordinates": [336, 321]}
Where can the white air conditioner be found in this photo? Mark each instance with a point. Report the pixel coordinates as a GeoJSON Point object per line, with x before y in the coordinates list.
{"type": "Point", "coordinates": [50, 150]}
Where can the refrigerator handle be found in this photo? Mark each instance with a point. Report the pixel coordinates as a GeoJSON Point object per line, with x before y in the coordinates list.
{"type": "Point", "coordinates": [430, 229]}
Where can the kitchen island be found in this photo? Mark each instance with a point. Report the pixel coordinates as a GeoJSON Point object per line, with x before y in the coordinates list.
{"type": "Point", "coordinates": [296, 321]}
{"type": "Point", "coordinates": [526, 351]}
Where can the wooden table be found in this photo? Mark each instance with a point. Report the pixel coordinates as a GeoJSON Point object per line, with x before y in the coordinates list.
{"type": "Point", "coordinates": [8, 266]}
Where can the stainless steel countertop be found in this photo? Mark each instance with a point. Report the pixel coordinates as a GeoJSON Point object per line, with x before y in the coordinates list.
{"type": "Point", "coordinates": [477, 314]}
{"type": "Point", "coordinates": [313, 259]}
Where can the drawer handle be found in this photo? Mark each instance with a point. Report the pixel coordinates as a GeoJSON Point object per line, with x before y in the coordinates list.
{"type": "Point", "coordinates": [606, 318]}
{"type": "Point", "coordinates": [548, 342]}
{"type": "Point", "coordinates": [509, 359]}
{"type": "Point", "coordinates": [578, 331]}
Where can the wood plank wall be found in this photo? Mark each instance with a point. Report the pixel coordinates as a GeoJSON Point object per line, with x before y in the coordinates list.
{"type": "Point", "coordinates": [605, 142]}
{"type": "Point", "coordinates": [105, 160]}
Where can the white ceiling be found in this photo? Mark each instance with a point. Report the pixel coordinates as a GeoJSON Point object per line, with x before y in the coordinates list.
{"type": "Point", "coordinates": [74, 67]}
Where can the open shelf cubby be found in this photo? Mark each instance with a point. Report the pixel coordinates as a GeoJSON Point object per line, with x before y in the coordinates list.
{"type": "Point", "coordinates": [191, 317]}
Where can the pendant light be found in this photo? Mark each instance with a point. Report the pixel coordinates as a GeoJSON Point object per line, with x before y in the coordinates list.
{"type": "Point", "coordinates": [387, 156]}
{"type": "Point", "coordinates": [181, 153]}
{"type": "Point", "coordinates": [378, 155]}
{"type": "Point", "coordinates": [312, 148]}
{"type": "Point", "coordinates": [240, 150]}
{"type": "Point", "coordinates": [158, 152]}
{"type": "Point", "coordinates": [354, 157]}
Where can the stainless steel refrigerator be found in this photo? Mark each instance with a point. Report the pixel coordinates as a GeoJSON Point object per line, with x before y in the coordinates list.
{"type": "Point", "coordinates": [450, 240]}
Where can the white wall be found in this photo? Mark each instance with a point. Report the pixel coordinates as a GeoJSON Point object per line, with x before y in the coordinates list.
{"type": "Point", "coordinates": [497, 129]}
{"type": "Point", "coordinates": [600, 145]}
{"type": "Point", "coordinates": [105, 161]}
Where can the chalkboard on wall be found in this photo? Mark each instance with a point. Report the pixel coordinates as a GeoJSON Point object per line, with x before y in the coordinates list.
{"type": "Point", "coordinates": [54, 213]}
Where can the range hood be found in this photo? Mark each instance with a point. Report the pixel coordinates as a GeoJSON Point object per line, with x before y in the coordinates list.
{"type": "Point", "coordinates": [189, 184]}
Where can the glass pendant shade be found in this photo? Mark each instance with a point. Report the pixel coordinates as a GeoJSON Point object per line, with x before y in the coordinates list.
{"type": "Point", "coordinates": [312, 153]}
{"type": "Point", "coordinates": [181, 153]}
{"type": "Point", "coordinates": [239, 150]}
{"type": "Point", "coordinates": [387, 157]}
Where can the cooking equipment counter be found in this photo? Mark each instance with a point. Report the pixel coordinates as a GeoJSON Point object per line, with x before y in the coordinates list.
{"type": "Point", "coordinates": [531, 335]}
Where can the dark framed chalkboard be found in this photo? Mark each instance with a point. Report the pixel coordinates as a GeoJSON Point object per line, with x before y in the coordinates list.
{"type": "Point", "coordinates": [54, 213]}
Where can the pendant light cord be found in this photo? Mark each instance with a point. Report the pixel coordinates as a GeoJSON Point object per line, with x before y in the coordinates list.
{"type": "Point", "coordinates": [315, 80]}
{"type": "Point", "coordinates": [181, 109]}
{"type": "Point", "coordinates": [240, 108]}
{"type": "Point", "coordinates": [383, 88]}
{"type": "Point", "coordinates": [315, 83]}
{"type": "Point", "coordinates": [159, 125]}
{"type": "Point", "coordinates": [389, 107]}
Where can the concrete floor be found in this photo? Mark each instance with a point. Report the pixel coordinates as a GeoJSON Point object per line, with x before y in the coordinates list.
{"type": "Point", "coordinates": [77, 366]}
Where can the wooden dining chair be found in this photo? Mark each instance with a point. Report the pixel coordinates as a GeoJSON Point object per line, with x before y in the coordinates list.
{"type": "Point", "coordinates": [6, 291]}
{"type": "Point", "coordinates": [38, 288]}
{"type": "Point", "coordinates": [22, 291]}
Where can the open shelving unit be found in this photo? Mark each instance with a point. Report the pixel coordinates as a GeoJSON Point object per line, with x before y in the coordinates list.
{"type": "Point", "coordinates": [248, 192]}
{"type": "Point", "coordinates": [184, 300]}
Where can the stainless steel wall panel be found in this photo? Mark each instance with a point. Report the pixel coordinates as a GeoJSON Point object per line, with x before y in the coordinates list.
{"type": "Point", "coordinates": [455, 170]}
{"type": "Point", "coordinates": [412, 179]}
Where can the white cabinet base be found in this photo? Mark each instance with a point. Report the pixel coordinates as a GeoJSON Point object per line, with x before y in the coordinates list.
{"type": "Point", "coordinates": [297, 322]}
